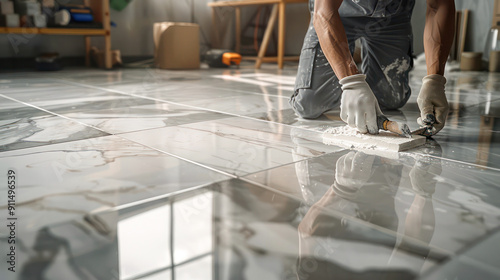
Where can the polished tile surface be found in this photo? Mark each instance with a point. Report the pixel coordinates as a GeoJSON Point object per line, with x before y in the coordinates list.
{"type": "Point", "coordinates": [209, 174]}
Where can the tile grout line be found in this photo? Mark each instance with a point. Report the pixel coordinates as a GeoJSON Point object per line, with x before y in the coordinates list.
{"type": "Point", "coordinates": [121, 137]}
{"type": "Point", "coordinates": [220, 112]}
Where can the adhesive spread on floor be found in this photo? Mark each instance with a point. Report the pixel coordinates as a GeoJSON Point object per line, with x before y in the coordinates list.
{"type": "Point", "coordinates": [349, 137]}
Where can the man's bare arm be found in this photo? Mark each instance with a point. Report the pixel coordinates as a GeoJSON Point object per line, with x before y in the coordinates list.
{"type": "Point", "coordinates": [438, 34]}
{"type": "Point", "coordinates": [438, 37]}
{"type": "Point", "coordinates": [332, 37]}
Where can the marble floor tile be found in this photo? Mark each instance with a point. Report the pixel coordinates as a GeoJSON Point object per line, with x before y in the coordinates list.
{"type": "Point", "coordinates": [67, 100]}
{"type": "Point", "coordinates": [200, 94]}
{"type": "Point", "coordinates": [288, 117]}
{"type": "Point", "coordinates": [159, 200]}
{"type": "Point", "coordinates": [233, 227]}
{"type": "Point", "coordinates": [243, 105]}
{"type": "Point", "coordinates": [442, 203]}
{"type": "Point", "coordinates": [16, 84]}
{"type": "Point", "coordinates": [136, 118]}
{"type": "Point", "coordinates": [60, 182]}
{"type": "Point", "coordinates": [22, 127]}
{"type": "Point", "coordinates": [262, 83]}
{"type": "Point", "coordinates": [480, 261]}
{"type": "Point", "coordinates": [235, 145]}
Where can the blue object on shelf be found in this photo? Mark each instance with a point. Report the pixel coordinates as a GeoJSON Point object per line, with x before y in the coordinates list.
{"type": "Point", "coordinates": [81, 17]}
{"type": "Point", "coordinates": [79, 14]}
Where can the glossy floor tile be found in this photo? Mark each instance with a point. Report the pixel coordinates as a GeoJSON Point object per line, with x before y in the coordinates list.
{"type": "Point", "coordinates": [432, 200]}
{"type": "Point", "coordinates": [59, 182]}
{"type": "Point", "coordinates": [22, 126]}
{"type": "Point", "coordinates": [209, 174]}
{"type": "Point", "coordinates": [229, 230]}
{"type": "Point", "coordinates": [234, 145]}
{"type": "Point", "coordinates": [143, 117]}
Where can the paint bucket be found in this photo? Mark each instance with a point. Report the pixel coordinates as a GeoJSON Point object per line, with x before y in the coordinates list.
{"type": "Point", "coordinates": [471, 61]}
{"type": "Point", "coordinates": [494, 65]}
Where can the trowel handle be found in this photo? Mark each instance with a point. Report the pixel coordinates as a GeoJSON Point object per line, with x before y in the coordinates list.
{"type": "Point", "coordinates": [382, 122]}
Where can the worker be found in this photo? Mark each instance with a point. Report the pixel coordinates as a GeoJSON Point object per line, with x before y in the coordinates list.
{"type": "Point", "coordinates": [328, 76]}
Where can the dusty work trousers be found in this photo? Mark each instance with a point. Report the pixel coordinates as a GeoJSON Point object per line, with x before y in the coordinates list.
{"type": "Point", "coordinates": [387, 59]}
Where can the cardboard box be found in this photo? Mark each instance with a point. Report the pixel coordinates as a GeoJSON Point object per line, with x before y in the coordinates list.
{"type": "Point", "coordinates": [177, 45]}
{"type": "Point", "coordinates": [28, 8]}
{"type": "Point", "coordinates": [11, 20]}
{"type": "Point", "coordinates": [6, 7]}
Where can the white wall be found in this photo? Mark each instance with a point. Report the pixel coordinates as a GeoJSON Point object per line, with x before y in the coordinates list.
{"type": "Point", "coordinates": [134, 36]}
{"type": "Point", "coordinates": [134, 32]}
{"type": "Point", "coordinates": [480, 15]}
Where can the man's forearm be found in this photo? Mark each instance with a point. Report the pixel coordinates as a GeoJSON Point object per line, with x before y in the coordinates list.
{"type": "Point", "coordinates": [332, 38]}
{"type": "Point", "coordinates": [438, 34]}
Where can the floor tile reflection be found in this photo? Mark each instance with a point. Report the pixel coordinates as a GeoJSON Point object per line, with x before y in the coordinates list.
{"type": "Point", "coordinates": [63, 181]}
{"type": "Point", "coordinates": [242, 232]}
{"type": "Point", "coordinates": [442, 203]}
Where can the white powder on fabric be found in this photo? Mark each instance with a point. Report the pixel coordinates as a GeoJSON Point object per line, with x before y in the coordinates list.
{"type": "Point", "coordinates": [400, 65]}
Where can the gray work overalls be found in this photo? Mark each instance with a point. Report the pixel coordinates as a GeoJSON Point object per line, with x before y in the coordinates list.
{"type": "Point", "coordinates": [384, 29]}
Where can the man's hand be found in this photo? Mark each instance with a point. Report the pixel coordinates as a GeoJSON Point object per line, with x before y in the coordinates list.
{"type": "Point", "coordinates": [358, 106]}
{"type": "Point", "coordinates": [432, 103]}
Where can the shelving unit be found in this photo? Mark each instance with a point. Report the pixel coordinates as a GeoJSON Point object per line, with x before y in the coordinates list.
{"type": "Point", "coordinates": [100, 9]}
{"type": "Point", "coordinates": [277, 14]}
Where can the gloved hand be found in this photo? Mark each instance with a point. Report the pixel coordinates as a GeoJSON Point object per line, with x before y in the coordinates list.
{"type": "Point", "coordinates": [432, 102]}
{"type": "Point", "coordinates": [425, 172]}
{"type": "Point", "coordinates": [358, 107]}
{"type": "Point", "coordinates": [353, 171]}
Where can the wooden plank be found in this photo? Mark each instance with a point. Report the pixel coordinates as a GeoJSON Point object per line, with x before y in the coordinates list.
{"type": "Point", "coordinates": [21, 30]}
{"type": "Point", "coordinates": [267, 36]}
{"type": "Point", "coordinates": [241, 3]}
{"type": "Point", "coordinates": [252, 2]}
{"type": "Point", "coordinates": [496, 14]}
{"type": "Point", "coordinates": [463, 33]}
{"type": "Point", "coordinates": [72, 31]}
{"type": "Point", "coordinates": [87, 50]}
{"type": "Point", "coordinates": [484, 141]}
{"type": "Point", "coordinates": [238, 29]}
{"type": "Point", "coordinates": [281, 34]}
{"type": "Point", "coordinates": [53, 31]}
{"type": "Point", "coordinates": [106, 23]}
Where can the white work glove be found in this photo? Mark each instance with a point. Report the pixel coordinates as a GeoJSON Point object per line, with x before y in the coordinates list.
{"type": "Point", "coordinates": [432, 103]}
{"type": "Point", "coordinates": [352, 172]}
{"type": "Point", "coordinates": [358, 107]}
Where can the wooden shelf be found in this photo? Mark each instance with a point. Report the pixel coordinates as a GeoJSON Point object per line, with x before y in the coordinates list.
{"type": "Point", "coordinates": [232, 3]}
{"type": "Point", "coordinates": [54, 31]}
{"type": "Point", "coordinates": [101, 14]}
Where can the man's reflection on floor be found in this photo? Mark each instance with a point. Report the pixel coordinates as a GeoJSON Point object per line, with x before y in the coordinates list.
{"type": "Point", "coordinates": [350, 231]}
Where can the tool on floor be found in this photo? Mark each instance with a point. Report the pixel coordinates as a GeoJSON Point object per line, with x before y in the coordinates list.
{"type": "Point", "coordinates": [392, 126]}
{"type": "Point", "coordinates": [221, 58]}
{"type": "Point", "coordinates": [427, 130]}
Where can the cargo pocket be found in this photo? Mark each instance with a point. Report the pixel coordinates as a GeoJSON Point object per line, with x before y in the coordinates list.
{"type": "Point", "coordinates": [306, 67]}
